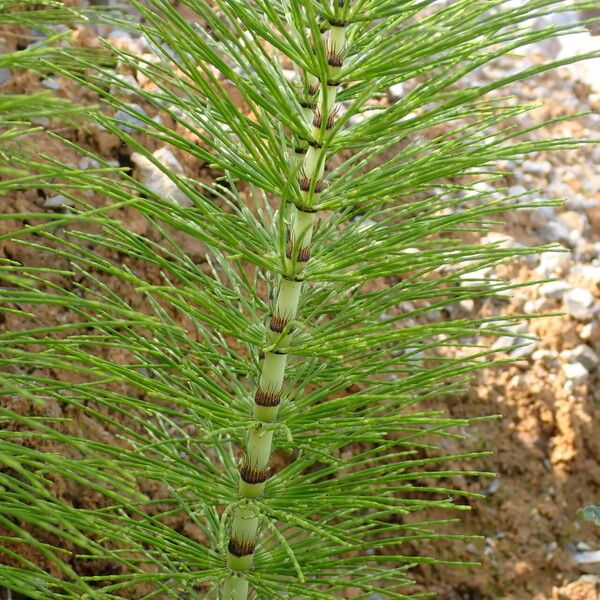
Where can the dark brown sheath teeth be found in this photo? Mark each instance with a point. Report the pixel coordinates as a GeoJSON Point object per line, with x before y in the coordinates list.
{"type": "Point", "coordinates": [339, 23]}
{"type": "Point", "coordinates": [313, 88]}
{"type": "Point", "coordinates": [304, 183]}
{"type": "Point", "coordinates": [240, 547]}
{"type": "Point", "coordinates": [303, 254]}
{"type": "Point", "coordinates": [335, 59]}
{"type": "Point", "coordinates": [252, 475]}
{"type": "Point", "coordinates": [262, 398]}
{"type": "Point", "coordinates": [317, 120]}
{"type": "Point", "coordinates": [308, 104]}
{"type": "Point", "coordinates": [278, 324]}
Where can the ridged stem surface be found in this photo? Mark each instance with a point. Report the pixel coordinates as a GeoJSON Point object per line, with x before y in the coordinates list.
{"type": "Point", "coordinates": [254, 468]}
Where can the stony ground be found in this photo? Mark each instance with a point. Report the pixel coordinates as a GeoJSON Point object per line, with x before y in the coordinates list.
{"type": "Point", "coordinates": [547, 454]}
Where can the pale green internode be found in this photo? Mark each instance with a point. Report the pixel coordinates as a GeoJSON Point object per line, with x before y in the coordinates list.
{"type": "Point", "coordinates": [287, 301]}
{"type": "Point", "coordinates": [258, 451]}
{"type": "Point", "coordinates": [273, 370]}
{"type": "Point", "coordinates": [235, 588]}
{"type": "Point", "coordinates": [337, 38]}
{"type": "Point", "coordinates": [302, 233]}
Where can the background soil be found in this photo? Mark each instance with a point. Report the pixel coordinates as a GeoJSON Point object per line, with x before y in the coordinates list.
{"type": "Point", "coordinates": [546, 445]}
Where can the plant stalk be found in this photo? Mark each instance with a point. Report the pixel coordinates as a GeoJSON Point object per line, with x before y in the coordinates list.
{"type": "Point", "coordinates": [255, 465]}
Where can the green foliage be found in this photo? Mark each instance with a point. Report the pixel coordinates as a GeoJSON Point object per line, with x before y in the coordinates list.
{"type": "Point", "coordinates": [142, 398]}
{"type": "Point", "coordinates": [591, 513]}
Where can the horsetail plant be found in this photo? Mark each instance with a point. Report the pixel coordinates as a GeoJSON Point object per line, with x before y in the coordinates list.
{"type": "Point", "coordinates": [231, 389]}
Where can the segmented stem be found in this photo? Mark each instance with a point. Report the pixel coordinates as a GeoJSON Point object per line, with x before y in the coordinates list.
{"type": "Point", "coordinates": [255, 465]}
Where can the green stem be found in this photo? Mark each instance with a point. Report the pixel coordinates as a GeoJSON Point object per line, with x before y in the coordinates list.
{"type": "Point", "coordinates": [254, 468]}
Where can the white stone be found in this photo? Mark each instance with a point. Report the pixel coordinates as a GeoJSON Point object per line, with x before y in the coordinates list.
{"type": "Point", "coordinates": [555, 231]}
{"type": "Point", "coordinates": [576, 222]}
{"type": "Point", "coordinates": [51, 84]}
{"type": "Point", "coordinates": [575, 372]}
{"type": "Point", "coordinates": [541, 215]}
{"type": "Point", "coordinates": [476, 278]}
{"type": "Point", "coordinates": [290, 75]}
{"type": "Point", "coordinates": [5, 75]}
{"type": "Point", "coordinates": [494, 486]}
{"type": "Point", "coordinates": [502, 240]}
{"type": "Point", "coordinates": [124, 41]}
{"type": "Point", "coordinates": [504, 342]}
{"type": "Point", "coordinates": [580, 304]}
{"type": "Point", "coordinates": [157, 181]}
{"type": "Point", "coordinates": [125, 117]}
{"type": "Point", "coordinates": [589, 560]}
{"type": "Point", "coordinates": [583, 355]}
{"type": "Point", "coordinates": [129, 85]}
{"type": "Point", "coordinates": [365, 115]}
{"type": "Point", "coordinates": [57, 202]}
{"type": "Point", "coordinates": [588, 70]}
{"type": "Point", "coordinates": [397, 91]}
{"type": "Point", "coordinates": [467, 305]}
{"type": "Point", "coordinates": [589, 273]}
{"type": "Point", "coordinates": [546, 356]}
{"type": "Point", "coordinates": [555, 289]}
{"type": "Point", "coordinates": [527, 349]}
{"type": "Point", "coordinates": [536, 167]}
{"type": "Point", "coordinates": [553, 263]}
{"type": "Point", "coordinates": [536, 306]}
{"type": "Point", "coordinates": [588, 330]}
{"type": "Point", "coordinates": [88, 163]}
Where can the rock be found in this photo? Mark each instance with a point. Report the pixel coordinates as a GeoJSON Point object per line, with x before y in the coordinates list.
{"type": "Point", "coordinates": [588, 561]}
{"type": "Point", "coordinates": [589, 273]}
{"type": "Point", "coordinates": [123, 40]}
{"type": "Point", "coordinates": [583, 355]}
{"type": "Point", "coordinates": [51, 84]}
{"type": "Point", "coordinates": [502, 240]}
{"type": "Point", "coordinates": [57, 202]}
{"type": "Point", "coordinates": [494, 485]}
{"type": "Point", "coordinates": [290, 75]}
{"type": "Point", "coordinates": [129, 85]}
{"type": "Point", "coordinates": [576, 222]}
{"type": "Point", "coordinates": [585, 588]}
{"type": "Point", "coordinates": [536, 306]}
{"type": "Point", "coordinates": [157, 181]}
{"type": "Point", "coordinates": [553, 263]}
{"type": "Point", "coordinates": [575, 372]}
{"type": "Point", "coordinates": [555, 231]}
{"type": "Point", "coordinates": [580, 304]}
{"type": "Point", "coordinates": [5, 75]}
{"type": "Point", "coordinates": [467, 305]}
{"type": "Point", "coordinates": [540, 168]}
{"type": "Point", "coordinates": [88, 163]}
{"type": "Point", "coordinates": [126, 117]}
{"type": "Point", "coordinates": [527, 348]}
{"type": "Point", "coordinates": [541, 215]}
{"type": "Point", "coordinates": [587, 71]}
{"type": "Point", "coordinates": [365, 115]}
{"type": "Point", "coordinates": [476, 278]}
{"type": "Point", "coordinates": [588, 330]}
{"type": "Point", "coordinates": [579, 203]}
{"type": "Point", "coordinates": [555, 289]}
{"type": "Point", "coordinates": [396, 91]}
{"type": "Point", "coordinates": [548, 357]}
